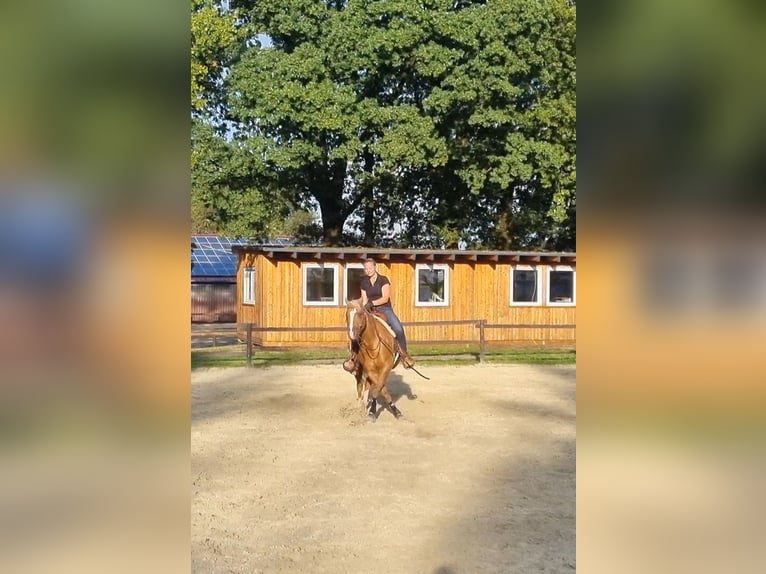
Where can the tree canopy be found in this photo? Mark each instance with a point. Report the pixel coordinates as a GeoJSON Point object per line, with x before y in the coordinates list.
{"type": "Point", "coordinates": [402, 123]}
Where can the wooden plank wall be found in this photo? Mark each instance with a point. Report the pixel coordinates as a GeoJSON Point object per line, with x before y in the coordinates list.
{"type": "Point", "coordinates": [477, 291]}
{"type": "Point", "coordinates": [247, 313]}
{"type": "Point", "coordinates": [284, 307]}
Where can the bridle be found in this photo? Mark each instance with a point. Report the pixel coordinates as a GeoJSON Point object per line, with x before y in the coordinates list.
{"type": "Point", "coordinates": [356, 335]}
{"type": "Point", "coordinates": [353, 333]}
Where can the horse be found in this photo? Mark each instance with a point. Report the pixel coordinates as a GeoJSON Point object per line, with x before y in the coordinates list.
{"type": "Point", "coordinates": [376, 356]}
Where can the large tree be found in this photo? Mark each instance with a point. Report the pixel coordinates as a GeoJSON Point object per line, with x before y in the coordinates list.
{"type": "Point", "coordinates": [401, 122]}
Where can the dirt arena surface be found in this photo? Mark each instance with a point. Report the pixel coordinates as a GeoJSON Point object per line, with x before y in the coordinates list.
{"type": "Point", "coordinates": [477, 477]}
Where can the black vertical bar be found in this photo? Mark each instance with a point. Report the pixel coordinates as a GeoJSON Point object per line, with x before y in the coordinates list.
{"type": "Point", "coordinates": [249, 344]}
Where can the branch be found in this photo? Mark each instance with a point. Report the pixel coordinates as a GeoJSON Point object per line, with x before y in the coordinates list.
{"type": "Point", "coordinates": [353, 205]}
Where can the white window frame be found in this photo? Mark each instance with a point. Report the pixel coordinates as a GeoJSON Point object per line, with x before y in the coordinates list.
{"type": "Point", "coordinates": [248, 286]}
{"type": "Point", "coordinates": [548, 301]}
{"type": "Point", "coordinates": [345, 275]}
{"type": "Point", "coordinates": [539, 278]}
{"type": "Point", "coordinates": [431, 267]}
{"type": "Point", "coordinates": [305, 267]}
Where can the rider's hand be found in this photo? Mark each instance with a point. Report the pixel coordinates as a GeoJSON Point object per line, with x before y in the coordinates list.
{"type": "Point", "coordinates": [368, 305]}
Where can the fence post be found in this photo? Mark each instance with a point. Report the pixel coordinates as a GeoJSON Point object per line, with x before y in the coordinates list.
{"type": "Point", "coordinates": [482, 340]}
{"type": "Point", "coordinates": [249, 344]}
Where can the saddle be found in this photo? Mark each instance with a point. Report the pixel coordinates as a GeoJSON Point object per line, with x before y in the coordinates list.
{"type": "Point", "coordinates": [381, 317]}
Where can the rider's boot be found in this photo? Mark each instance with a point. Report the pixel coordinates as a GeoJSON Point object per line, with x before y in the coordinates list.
{"type": "Point", "coordinates": [407, 361]}
{"type": "Point", "coordinates": [350, 363]}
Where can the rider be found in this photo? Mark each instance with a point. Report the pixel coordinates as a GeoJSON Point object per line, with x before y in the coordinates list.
{"type": "Point", "coordinates": [376, 295]}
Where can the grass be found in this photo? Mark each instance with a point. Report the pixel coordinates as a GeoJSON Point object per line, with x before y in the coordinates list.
{"type": "Point", "coordinates": [234, 355]}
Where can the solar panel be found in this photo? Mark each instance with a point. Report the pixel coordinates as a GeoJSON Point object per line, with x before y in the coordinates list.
{"type": "Point", "coordinates": [217, 242]}
{"type": "Point", "coordinates": [212, 256]}
{"type": "Point", "coordinates": [281, 241]}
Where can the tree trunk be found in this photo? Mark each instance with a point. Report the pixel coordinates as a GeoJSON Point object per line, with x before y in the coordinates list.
{"type": "Point", "coordinates": [333, 230]}
{"type": "Point", "coordinates": [369, 199]}
{"type": "Point", "coordinates": [329, 194]}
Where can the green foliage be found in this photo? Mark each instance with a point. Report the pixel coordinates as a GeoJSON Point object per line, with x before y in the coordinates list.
{"type": "Point", "coordinates": [215, 40]}
{"type": "Point", "coordinates": [404, 123]}
{"type": "Point", "coordinates": [228, 195]}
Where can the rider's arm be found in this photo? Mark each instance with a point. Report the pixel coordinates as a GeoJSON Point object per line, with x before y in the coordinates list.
{"type": "Point", "coordinates": [386, 290]}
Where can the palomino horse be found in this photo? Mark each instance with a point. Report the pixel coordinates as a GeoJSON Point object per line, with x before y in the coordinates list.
{"type": "Point", "coordinates": [376, 356]}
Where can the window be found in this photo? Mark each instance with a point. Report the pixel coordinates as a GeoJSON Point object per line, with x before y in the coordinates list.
{"type": "Point", "coordinates": [525, 285]}
{"type": "Point", "coordinates": [354, 276]}
{"type": "Point", "coordinates": [432, 286]}
{"type": "Point", "coordinates": [248, 286]}
{"type": "Point", "coordinates": [320, 284]}
{"type": "Point", "coordinates": [561, 285]}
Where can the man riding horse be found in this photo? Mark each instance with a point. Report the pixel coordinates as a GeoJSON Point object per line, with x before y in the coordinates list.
{"type": "Point", "coordinates": [376, 297]}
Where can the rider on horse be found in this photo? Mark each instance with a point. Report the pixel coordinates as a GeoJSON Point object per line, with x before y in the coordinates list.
{"type": "Point", "coordinates": [376, 296]}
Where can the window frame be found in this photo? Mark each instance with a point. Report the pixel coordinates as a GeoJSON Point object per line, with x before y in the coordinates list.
{"type": "Point", "coordinates": [248, 284]}
{"type": "Point", "coordinates": [551, 269]}
{"type": "Point", "coordinates": [304, 285]}
{"type": "Point", "coordinates": [538, 277]}
{"type": "Point", "coordinates": [345, 275]}
{"type": "Point", "coordinates": [432, 267]}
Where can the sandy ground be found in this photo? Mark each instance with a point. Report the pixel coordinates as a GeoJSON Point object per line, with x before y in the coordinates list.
{"type": "Point", "coordinates": [478, 476]}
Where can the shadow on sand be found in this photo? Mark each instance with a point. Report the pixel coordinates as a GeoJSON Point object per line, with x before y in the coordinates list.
{"type": "Point", "coordinates": [398, 388]}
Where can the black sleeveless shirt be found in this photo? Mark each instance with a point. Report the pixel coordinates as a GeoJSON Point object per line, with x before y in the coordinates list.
{"type": "Point", "coordinates": [375, 291]}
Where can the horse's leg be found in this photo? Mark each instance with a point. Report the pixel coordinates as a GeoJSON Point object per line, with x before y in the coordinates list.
{"type": "Point", "coordinates": [372, 396]}
{"type": "Point", "coordinates": [372, 404]}
{"type": "Point", "coordinates": [390, 404]}
{"type": "Point", "coordinates": [389, 401]}
{"type": "Point", "coordinates": [362, 385]}
{"type": "Point", "coordinates": [359, 386]}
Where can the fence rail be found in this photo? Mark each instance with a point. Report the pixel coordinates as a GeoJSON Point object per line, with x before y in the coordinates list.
{"type": "Point", "coordinates": [233, 329]}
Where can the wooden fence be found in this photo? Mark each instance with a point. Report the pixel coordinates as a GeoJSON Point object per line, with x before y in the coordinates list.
{"type": "Point", "coordinates": [231, 331]}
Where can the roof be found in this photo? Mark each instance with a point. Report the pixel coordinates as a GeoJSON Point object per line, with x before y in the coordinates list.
{"type": "Point", "coordinates": [212, 255]}
{"type": "Point", "coordinates": [355, 254]}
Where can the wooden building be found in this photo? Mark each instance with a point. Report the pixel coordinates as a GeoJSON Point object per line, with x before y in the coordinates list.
{"type": "Point", "coordinates": [518, 295]}
{"type": "Point", "coordinates": [213, 279]}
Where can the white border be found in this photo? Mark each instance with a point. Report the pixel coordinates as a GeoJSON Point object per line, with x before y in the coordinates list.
{"type": "Point", "coordinates": [345, 275]}
{"type": "Point", "coordinates": [430, 267]}
{"type": "Point", "coordinates": [305, 267]}
{"type": "Point", "coordinates": [539, 273]}
{"type": "Point", "coordinates": [248, 283]}
{"type": "Point", "coordinates": [548, 301]}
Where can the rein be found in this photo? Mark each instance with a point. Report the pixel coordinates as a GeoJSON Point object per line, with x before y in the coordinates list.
{"type": "Point", "coordinates": [366, 348]}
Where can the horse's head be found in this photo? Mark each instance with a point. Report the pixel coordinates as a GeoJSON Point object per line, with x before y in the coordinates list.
{"type": "Point", "coordinates": [356, 319]}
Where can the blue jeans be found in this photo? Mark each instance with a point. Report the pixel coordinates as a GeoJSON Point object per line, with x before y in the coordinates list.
{"type": "Point", "coordinates": [395, 323]}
